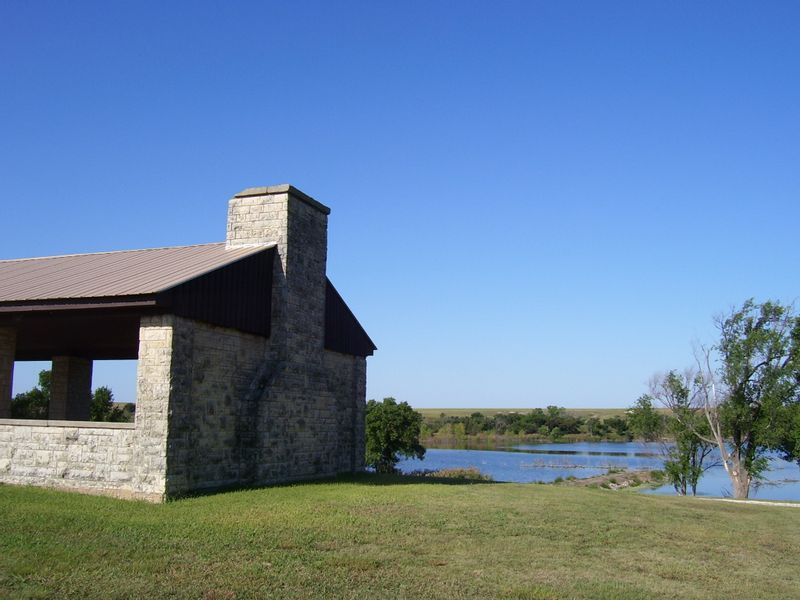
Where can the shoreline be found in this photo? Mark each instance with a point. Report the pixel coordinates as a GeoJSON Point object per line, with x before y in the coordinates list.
{"type": "Point", "coordinates": [501, 442]}
{"type": "Point", "coordinates": [618, 480]}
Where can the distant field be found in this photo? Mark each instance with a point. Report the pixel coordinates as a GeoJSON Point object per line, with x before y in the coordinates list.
{"type": "Point", "coordinates": [600, 413]}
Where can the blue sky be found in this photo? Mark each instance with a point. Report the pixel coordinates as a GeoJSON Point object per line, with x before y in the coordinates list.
{"type": "Point", "coordinates": [532, 203]}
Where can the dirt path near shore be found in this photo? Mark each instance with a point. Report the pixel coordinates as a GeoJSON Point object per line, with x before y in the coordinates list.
{"type": "Point", "coordinates": [759, 502]}
{"type": "Point", "coordinates": [616, 480]}
{"type": "Point", "coordinates": [631, 479]}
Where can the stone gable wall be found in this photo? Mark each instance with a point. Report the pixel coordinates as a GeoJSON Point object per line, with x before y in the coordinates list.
{"type": "Point", "coordinates": [347, 380]}
{"type": "Point", "coordinates": [212, 371]}
{"type": "Point", "coordinates": [249, 420]}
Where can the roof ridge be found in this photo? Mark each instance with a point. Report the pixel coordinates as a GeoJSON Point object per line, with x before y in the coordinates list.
{"type": "Point", "coordinates": [8, 260]}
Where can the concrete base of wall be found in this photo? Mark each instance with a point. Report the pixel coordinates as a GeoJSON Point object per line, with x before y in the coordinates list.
{"type": "Point", "coordinates": [109, 493]}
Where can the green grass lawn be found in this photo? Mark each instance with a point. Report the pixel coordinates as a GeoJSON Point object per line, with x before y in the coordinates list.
{"type": "Point", "coordinates": [371, 537]}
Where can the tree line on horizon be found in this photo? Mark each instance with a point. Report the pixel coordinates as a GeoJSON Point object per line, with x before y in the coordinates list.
{"type": "Point", "coordinates": [553, 422]}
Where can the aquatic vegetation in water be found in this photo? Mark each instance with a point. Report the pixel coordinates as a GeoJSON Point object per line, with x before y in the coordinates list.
{"type": "Point", "coordinates": [468, 473]}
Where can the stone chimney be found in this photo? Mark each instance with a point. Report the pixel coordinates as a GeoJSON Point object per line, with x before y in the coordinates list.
{"type": "Point", "coordinates": [298, 226]}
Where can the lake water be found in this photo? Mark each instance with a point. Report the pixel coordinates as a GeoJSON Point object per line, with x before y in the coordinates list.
{"type": "Point", "coordinates": [546, 462]}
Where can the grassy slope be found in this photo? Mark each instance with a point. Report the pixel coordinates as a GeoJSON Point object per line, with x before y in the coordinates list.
{"type": "Point", "coordinates": [354, 539]}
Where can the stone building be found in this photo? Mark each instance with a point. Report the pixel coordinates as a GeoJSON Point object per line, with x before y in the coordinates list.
{"type": "Point", "coordinates": [251, 368]}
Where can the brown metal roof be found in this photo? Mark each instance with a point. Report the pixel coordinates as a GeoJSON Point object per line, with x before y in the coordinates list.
{"type": "Point", "coordinates": [343, 332]}
{"type": "Point", "coordinates": [109, 274]}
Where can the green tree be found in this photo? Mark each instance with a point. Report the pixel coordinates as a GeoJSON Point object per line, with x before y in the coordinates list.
{"type": "Point", "coordinates": [759, 372]}
{"type": "Point", "coordinates": [790, 445]}
{"type": "Point", "coordinates": [476, 423]}
{"type": "Point", "coordinates": [595, 427]}
{"type": "Point", "coordinates": [644, 421]}
{"type": "Point", "coordinates": [747, 388]}
{"type": "Point", "coordinates": [103, 408]}
{"type": "Point", "coordinates": [618, 425]}
{"type": "Point", "coordinates": [34, 403]}
{"type": "Point", "coordinates": [687, 456]}
{"type": "Point", "coordinates": [392, 431]}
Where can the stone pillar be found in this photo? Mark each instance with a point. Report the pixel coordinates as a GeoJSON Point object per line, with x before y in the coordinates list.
{"type": "Point", "coordinates": [166, 411]}
{"type": "Point", "coordinates": [298, 225]}
{"type": "Point", "coordinates": [153, 390]}
{"type": "Point", "coordinates": [8, 345]}
{"type": "Point", "coordinates": [297, 423]}
{"type": "Point", "coordinates": [70, 388]}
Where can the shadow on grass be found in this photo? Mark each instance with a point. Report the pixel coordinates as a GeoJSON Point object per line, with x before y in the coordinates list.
{"type": "Point", "coordinates": [355, 478]}
{"type": "Point", "coordinates": [397, 479]}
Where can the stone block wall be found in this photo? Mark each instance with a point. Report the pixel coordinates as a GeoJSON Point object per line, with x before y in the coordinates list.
{"type": "Point", "coordinates": [87, 457]}
{"type": "Point", "coordinates": [237, 417]}
{"type": "Point", "coordinates": [347, 379]}
{"type": "Point", "coordinates": [213, 369]}
{"type": "Point", "coordinates": [153, 390]}
{"type": "Point", "coordinates": [297, 427]}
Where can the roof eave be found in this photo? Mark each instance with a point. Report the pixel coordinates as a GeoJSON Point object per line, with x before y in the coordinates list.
{"type": "Point", "coordinates": [65, 304]}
